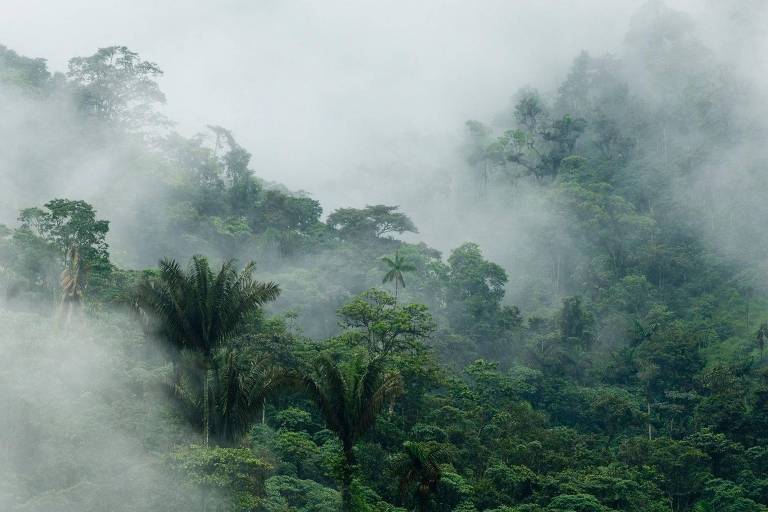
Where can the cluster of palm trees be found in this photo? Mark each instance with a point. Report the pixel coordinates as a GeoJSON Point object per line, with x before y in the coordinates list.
{"type": "Point", "coordinates": [198, 312]}
{"type": "Point", "coordinates": [201, 313]}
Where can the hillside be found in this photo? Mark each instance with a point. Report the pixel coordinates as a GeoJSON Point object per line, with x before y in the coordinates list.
{"type": "Point", "coordinates": [595, 344]}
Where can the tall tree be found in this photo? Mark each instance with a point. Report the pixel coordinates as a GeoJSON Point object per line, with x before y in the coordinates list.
{"type": "Point", "coordinates": [238, 382]}
{"type": "Point", "coordinates": [370, 223]}
{"type": "Point", "coordinates": [475, 289]}
{"type": "Point", "coordinates": [66, 223]}
{"type": "Point", "coordinates": [396, 267]}
{"type": "Point", "coordinates": [116, 85]}
{"type": "Point", "coordinates": [65, 234]}
{"type": "Point", "coordinates": [373, 320]}
{"type": "Point", "coordinates": [350, 396]}
{"type": "Point", "coordinates": [198, 310]}
{"type": "Point", "coordinates": [420, 472]}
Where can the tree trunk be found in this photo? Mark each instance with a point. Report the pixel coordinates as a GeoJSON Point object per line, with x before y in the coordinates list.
{"type": "Point", "coordinates": [395, 291]}
{"type": "Point", "coordinates": [206, 408]}
{"type": "Point", "coordinates": [422, 502]}
{"type": "Point", "coordinates": [346, 479]}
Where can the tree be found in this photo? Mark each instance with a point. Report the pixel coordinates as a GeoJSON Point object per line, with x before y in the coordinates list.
{"type": "Point", "coordinates": [614, 410]}
{"type": "Point", "coordinates": [67, 224]}
{"type": "Point", "coordinates": [114, 84]}
{"type": "Point", "coordinates": [234, 471]}
{"type": "Point", "coordinates": [576, 323]}
{"type": "Point", "coordinates": [238, 380]}
{"type": "Point", "coordinates": [536, 144]}
{"type": "Point", "coordinates": [479, 149]}
{"type": "Point", "coordinates": [502, 484]}
{"type": "Point", "coordinates": [72, 281]}
{"type": "Point", "coordinates": [669, 358]}
{"type": "Point", "coordinates": [475, 289]}
{"type": "Point", "coordinates": [682, 469]}
{"type": "Point", "coordinates": [288, 493]}
{"type": "Point", "coordinates": [244, 190]}
{"type": "Point", "coordinates": [286, 212]}
{"type": "Point", "coordinates": [420, 471]}
{"type": "Point", "coordinates": [370, 223]}
{"type": "Point", "coordinates": [725, 496]}
{"type": "Point", "coordinates": [576, 503]}
{"type": "Point", "coordinates": [66, 233]}
{"type": "Point", "coordinates": [350, 397]}
{"type": "Point", "coordinates": [198, 310]}
{"type": "Point", "coordinates": [23, 71]}
{"type": "Point", "coordinates": [373, 320]}
{"type": "Point", "coordinates": [396, 268]}
{"type": "Point", "coordinates": [608, 221]}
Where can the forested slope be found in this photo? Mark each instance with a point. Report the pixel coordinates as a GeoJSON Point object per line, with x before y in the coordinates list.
{"type": "Point", "coordinates": [612, 360]}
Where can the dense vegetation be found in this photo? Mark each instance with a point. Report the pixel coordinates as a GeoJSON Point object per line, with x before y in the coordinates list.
{"type": "Point", "coordinates": [355, 371]}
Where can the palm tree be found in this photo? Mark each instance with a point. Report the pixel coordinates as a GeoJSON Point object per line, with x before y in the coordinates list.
{"type": "Point", "coordinates": [197, 310]}
{"type": "Point", "coordinates": [238, 382]}
{"type": "Point", "coordinates": [350, 397]}
{"type": "Point", "coordinates": [420, 466]}
{"type": "Point", "coordinates": [396, 269]}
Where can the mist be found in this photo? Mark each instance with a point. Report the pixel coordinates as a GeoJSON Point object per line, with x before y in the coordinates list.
{"type": "Point", "coordinates": [66, 444]}
{"type": "Point", "coordinates": [551, 213]}
{"type": "Point", "coordinates": [360, 103]}
{"type": "Point", "coordinates": [332, 95]}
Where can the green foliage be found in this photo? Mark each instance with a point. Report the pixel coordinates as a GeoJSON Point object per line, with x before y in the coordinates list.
{"type": "Point", "coordinates": [728, 497]}
{"type": "Point", "coordinates": [236, 472]}
{"type": "Point", "coordinates": [576, 503]}
{"type": "Point", "coordinates": [420, 472]}
{"type": "Point", "coordinates": [224, 394]}
{"type": "Point", "coordinates": [61, 247]}
{"type": "Point", "coordinates": [474, 291]}
{"type": "Point", "coordinates": [64, 223]}
{"type": "Point", "coordinates": [396, 268]}
{"type": "Point", "coordinates": [373, 320]}
{"type": "Point", "coordinates": [370, 223]}
{"type": "Point", "coordinates": [576, 323]}
{"type": "Point", "coordinates": [349, 397]}
{"type": "Point", "coordinates": [198, 312]}
{"type": "Point", "coordinates": [198, 309]}
{"type": "Point", "coordinates": [114, 84]}
{"type": "Point", "coordinates": [287, 493]}
{"type": "Point", "coordinates": [628, 376]}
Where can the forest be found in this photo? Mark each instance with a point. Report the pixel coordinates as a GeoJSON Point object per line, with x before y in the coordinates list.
{"type": "Point", "coordinates": [193, 337]}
